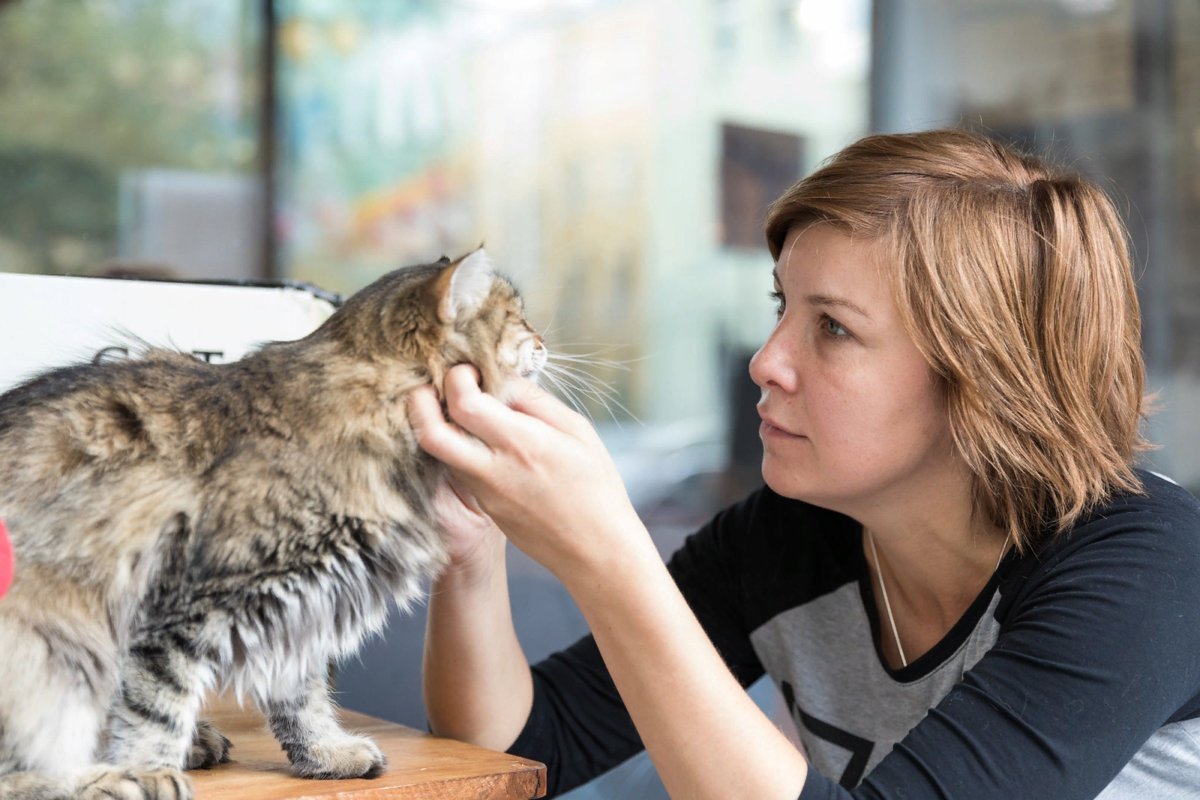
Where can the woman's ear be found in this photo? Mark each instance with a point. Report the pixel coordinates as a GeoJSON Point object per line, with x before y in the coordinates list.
{"type": "Point", "coordinates": [464, 285]}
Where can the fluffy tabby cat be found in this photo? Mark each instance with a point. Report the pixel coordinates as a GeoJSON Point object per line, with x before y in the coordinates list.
{"type": "Point", "coordinates": [180, 525]}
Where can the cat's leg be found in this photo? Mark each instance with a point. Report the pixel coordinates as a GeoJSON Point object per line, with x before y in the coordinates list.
{"type": "Point", "coordinates": [57, 673]}
{"type": "Point", "coordinates": [106, 782]}
{"type": "Point", "coordinates": [307, 728]}
{"type": "Point", "coordinates": [153, 721]}
{"type": "Point", "coordinates": [34, 786]}
{"type": "Point", "coordinates": [209, 747]}
{"type": "Point", "coordinates": [57, 678]}
{"type": "Point", "coordinates": [101, 782]}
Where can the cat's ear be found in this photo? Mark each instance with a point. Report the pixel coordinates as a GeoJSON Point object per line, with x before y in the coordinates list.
{"type": "Point", "coordinates": [464, 285]}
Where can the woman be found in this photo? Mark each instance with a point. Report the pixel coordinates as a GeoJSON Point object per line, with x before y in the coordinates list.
{"type": "Point", "coordinates": [954, 574]}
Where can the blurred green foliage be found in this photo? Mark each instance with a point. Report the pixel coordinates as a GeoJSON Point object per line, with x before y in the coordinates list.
{"type": "Point", "coordinates": [92, 88]}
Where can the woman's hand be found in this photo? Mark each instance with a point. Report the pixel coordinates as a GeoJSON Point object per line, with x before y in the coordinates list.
{"type": "Point", "coordinates": [537, 468]}
{"type": "Point", "coordinates": [470, 532]}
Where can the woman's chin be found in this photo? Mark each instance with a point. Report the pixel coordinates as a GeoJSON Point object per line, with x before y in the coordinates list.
{"type": "Point", "coordinates": [795, 485]}
{"type": "Point", "coordinates": [784, 481]}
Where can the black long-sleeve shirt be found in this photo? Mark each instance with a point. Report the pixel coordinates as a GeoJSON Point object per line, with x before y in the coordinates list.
{"type": "Point", "coordinates": [1074, 674]}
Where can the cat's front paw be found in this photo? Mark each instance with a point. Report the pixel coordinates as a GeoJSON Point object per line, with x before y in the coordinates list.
{"type": "Point", "coordinates": [342, 757]}
{"type": "Point", "coordinates": [116, 783]}
{"type": "Point", "coordinates": [209, 747]}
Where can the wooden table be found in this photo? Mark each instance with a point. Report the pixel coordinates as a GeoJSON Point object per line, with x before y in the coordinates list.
{"type": "Point", "coordinates": [420, 766]}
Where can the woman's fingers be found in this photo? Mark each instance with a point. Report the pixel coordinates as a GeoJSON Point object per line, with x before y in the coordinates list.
{"type": "Point", "coordinates": [464, 496]}
{"type": "Point", "coordinates": [528, 398]}
{"type": "Point", "coordinates": [521, 418]}
{"type": "Point", "coordinates": [439, 438]}
{"type": "Point", "coordinates": [481, 414]}
{"type": "Point", "coordinates": [502, 423]}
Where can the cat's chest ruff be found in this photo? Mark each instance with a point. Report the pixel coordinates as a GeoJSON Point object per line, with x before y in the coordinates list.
{"type": "Point", "coordinates": [295, 620]}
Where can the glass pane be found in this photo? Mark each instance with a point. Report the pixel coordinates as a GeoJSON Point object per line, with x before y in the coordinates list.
{"type": "Point", "coordinates": [616, 157]}
{"type": "Point", "coordinates": [128, 133]}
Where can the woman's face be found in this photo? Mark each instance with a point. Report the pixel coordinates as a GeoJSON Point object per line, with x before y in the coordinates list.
{"type": "Point", "coordinates": [852, 416]}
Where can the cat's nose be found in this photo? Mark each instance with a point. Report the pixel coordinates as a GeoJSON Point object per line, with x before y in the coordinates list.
{"type": "Point", "coordinates": [538, 358]}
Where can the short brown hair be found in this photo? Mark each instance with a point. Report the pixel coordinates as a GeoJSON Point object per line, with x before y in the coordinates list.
{"type": "Point", "coordinates": [1014, 280]}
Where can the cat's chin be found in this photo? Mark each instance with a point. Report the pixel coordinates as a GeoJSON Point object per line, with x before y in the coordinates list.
{"type": "Point", "coordinates": [512, 388]}
{"type": "Point", "coordinates": [507, 393]}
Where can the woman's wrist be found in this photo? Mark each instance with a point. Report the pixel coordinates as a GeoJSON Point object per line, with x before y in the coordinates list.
{"type": "Point", "coordinates": [627, 555]}
{"type": "Point", "coordinates": [477, 567]}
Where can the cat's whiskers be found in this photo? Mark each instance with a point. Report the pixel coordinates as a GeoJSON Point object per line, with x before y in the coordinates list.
{"type": "Point", "coordinates": [571, 391]}
{"type": "Point", "coordinates": [592, 355]}
{"type": "Point", "coordinates": [590, 380]}
{"type": "Point", "coordinates": [595, 362]}
{"type": "Point", "coordinates": [601, 393]}
{"type": "Point", "coordinates": [565, 371]}
{"type": "Point", "coordinates": [565, 391]}
{"type": "Point", "coordinates": [579, 385]}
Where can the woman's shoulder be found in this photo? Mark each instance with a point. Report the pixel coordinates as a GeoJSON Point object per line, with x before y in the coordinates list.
{"type": "Point", "coordinates": [1162, 492]}
{"type": "Point", "coordinates": [1162, 509]}
{"type": "Point", "coordinates": [1133, 539]}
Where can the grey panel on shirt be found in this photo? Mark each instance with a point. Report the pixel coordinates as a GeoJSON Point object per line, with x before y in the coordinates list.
{"type": "Point", "coordinates": [850, 712]}
{"type": "Point", "coordinates": [843, 685]}
{"type": "Point", "coordinates": [1165, 768]}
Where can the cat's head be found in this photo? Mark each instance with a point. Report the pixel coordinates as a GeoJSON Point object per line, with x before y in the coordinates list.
{"type": "Point", "coordinates": [429, 318]}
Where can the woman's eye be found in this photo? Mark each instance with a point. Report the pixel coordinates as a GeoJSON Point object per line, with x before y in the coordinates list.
{"type": "Point", "coordinates": [777, 297]}
{"type": "Point", "coordinates": [833, 328]}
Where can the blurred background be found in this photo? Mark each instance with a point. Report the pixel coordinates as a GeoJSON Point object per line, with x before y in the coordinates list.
{"type": "Point", "coordinates": [615, 156]}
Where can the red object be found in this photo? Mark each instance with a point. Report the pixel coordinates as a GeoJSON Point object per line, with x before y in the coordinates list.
{"type": "Point", "coordinates": [6, 560]}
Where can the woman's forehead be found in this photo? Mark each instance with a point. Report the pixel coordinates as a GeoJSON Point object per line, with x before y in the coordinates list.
{"type": "Point", "coordinates": [821, 252]}
{"type": "Point", "coordinates": [830, 268]}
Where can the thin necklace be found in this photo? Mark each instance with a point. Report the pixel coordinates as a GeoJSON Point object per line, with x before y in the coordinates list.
{"type": "Point", "coordinates": [887, 605]}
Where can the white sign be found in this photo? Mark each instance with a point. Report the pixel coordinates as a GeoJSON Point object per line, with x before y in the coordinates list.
{"type": "Point", "coordinates": [50, 320]}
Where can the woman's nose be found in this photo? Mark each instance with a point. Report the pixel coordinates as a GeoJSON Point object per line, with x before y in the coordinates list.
{"type": "Point", "coordinates": [770, 366]}
{"type": "Point", "coordinates": [758, 368]}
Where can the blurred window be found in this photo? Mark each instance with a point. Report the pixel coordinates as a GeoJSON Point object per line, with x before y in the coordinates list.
{"type": "Point", "coordinates": [616, 156]}
{"type": "Point", "coordinates": [128, 137]}
{"type": "Point", "coordinates": [756, 167]}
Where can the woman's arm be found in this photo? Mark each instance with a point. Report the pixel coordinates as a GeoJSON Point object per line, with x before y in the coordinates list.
{"type": "Point", "coordinates": [475, 676]}
{"type": "Point", "coordinates": [705, 735]}
{"type": "Point", "coordinates": [541, 472]}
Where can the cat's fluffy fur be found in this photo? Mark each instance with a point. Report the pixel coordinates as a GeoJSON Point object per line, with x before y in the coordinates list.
{"type": "Point", "coordinates": [180, 525]}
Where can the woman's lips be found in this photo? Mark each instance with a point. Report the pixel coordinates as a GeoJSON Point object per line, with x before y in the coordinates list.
{"type": "Point", "coordinates": [769, 428]}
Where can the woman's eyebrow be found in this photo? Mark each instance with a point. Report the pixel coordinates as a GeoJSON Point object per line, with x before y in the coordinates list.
{"type": "Point", "coordinates": [824, 299]}
{"type": "Point", "coordinates": [839, 302]}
